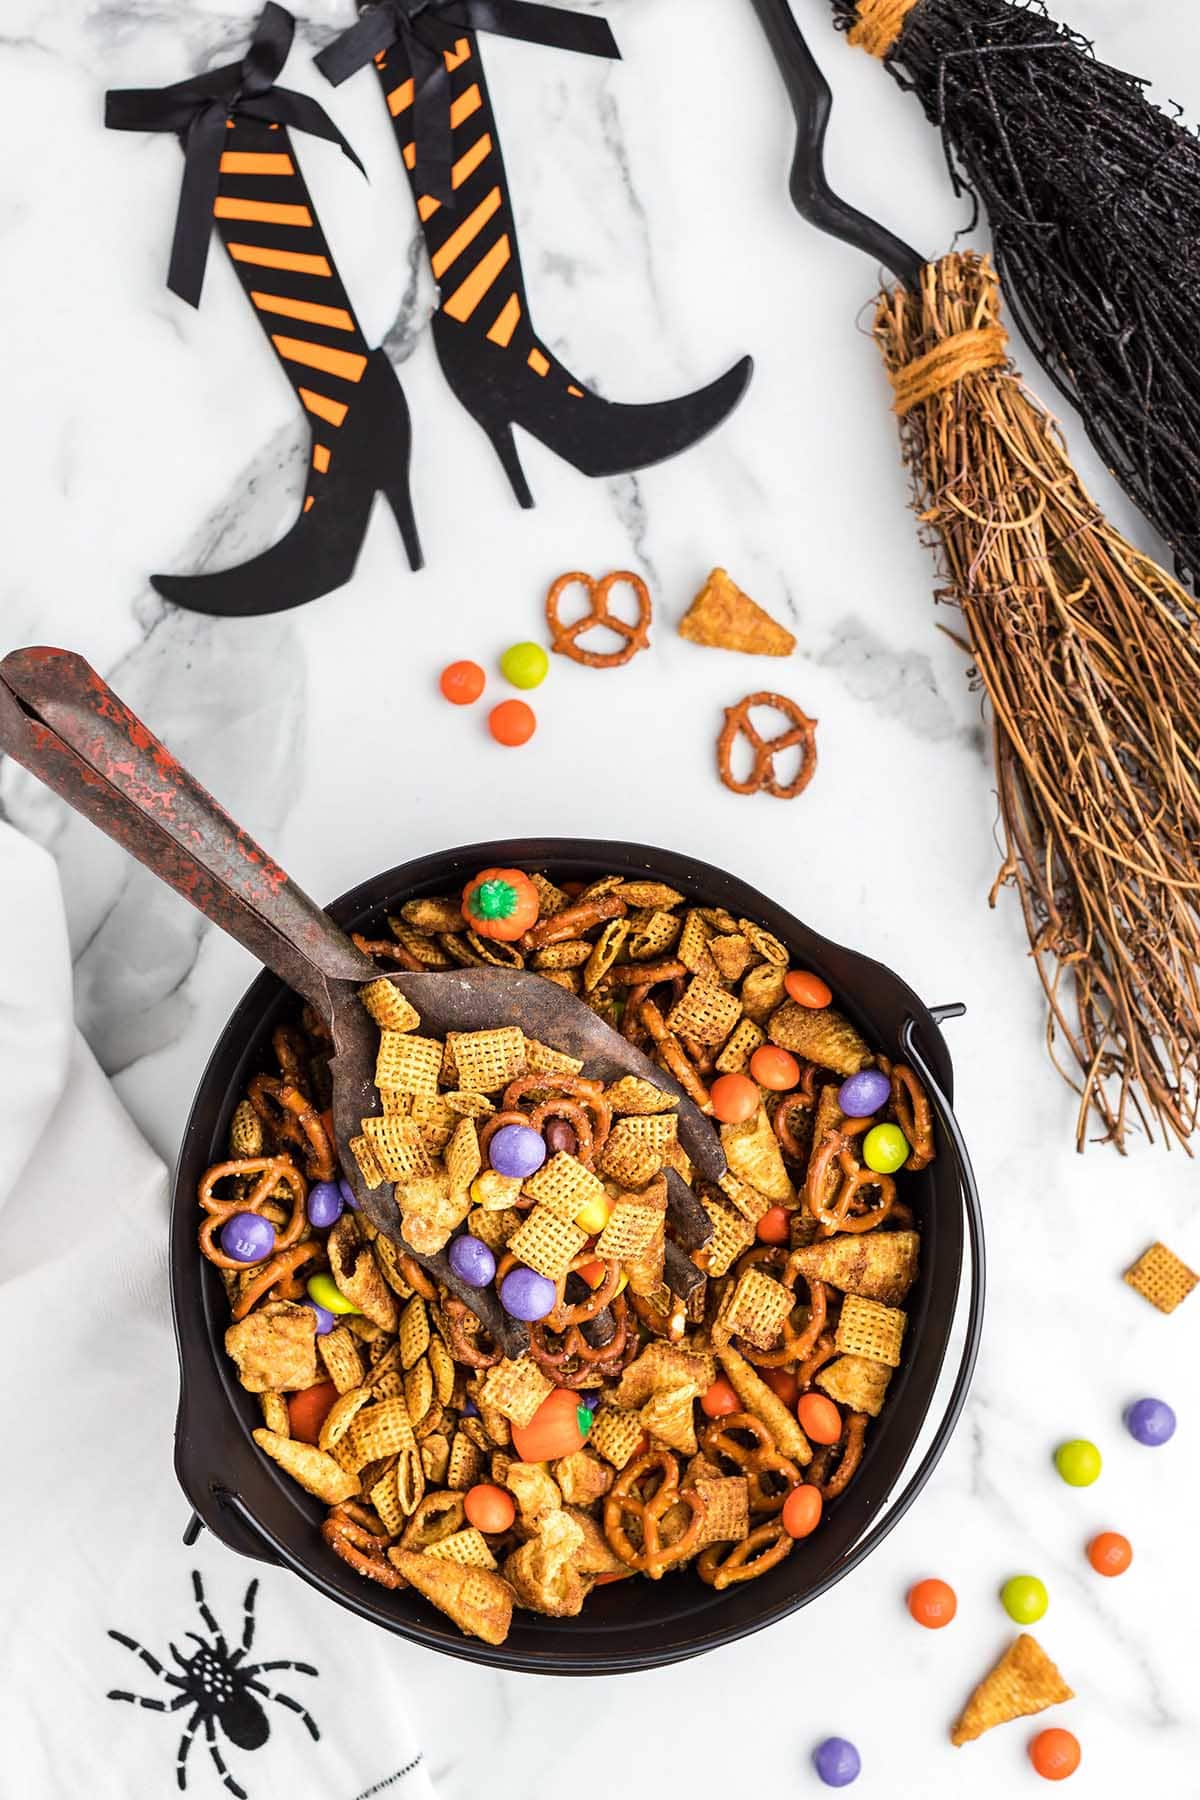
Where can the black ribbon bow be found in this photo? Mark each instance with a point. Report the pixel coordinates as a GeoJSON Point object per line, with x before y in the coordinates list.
{"type": "Point", "coordinates": [427, 29]}
{"type": "Point", "coordinates": [199, 110]}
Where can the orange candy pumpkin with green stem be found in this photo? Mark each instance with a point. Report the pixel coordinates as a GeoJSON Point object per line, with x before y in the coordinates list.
{"type": "Point", "coordinates": [502, 904]}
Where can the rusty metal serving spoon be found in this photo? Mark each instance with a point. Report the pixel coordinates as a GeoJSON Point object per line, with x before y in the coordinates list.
{"type": "Point", "coordinates": [66, 726]}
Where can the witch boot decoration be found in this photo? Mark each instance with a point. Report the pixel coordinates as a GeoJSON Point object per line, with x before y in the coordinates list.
{"type": "Point", "coordinates": [426, 55]}
{"type": "Point", "coordinates": [240, 171]}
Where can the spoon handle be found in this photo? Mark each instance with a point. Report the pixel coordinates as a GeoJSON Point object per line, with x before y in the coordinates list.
{"type": "Point", "coordinates": [812, 196]}
{"type": "Point", "coordinates": [66, 726]}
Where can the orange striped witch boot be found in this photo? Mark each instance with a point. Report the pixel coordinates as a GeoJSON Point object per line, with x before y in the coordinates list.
{"type": "Point", "coordinates": [240, 172]}
{"type": "Point", "coordinates": [426, 56]}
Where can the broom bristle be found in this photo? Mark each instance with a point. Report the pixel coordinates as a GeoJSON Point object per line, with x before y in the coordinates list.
{"type": "Point", "coordinates": [1090, 656]}
{"type": "Point", "coordinates": [1093, 196]}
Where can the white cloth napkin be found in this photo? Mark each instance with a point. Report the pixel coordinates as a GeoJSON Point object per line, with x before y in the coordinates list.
{"type": "Point", "coordinates": [90, 1515]}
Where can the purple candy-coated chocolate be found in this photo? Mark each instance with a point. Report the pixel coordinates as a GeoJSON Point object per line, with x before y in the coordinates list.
{"type": "Point", "coordinates": [247, 1237]}
{"type": "Point", "coordinates": [591, 1400]}
{"type": "Point", "coordinates": [837, 1762]}
{"type": "Point", "coordinates": [517, 1150]}
{"type": "Point", "coordinates": [472, 1261]}
{"type": "Point", "coordinates": [526, 1295]}
{"type": "Point", "coordinates": [864, 1094]}
{"type": "Point", "coordinates": [324, 1204]}
{"type": "Point", "coordinates": [469, 1409]}
{"type": "Point", "coordinates": [560, 1135]}
{"type": "Point", "coordinates": [325, 1319]}
{"type": "Point", "coordinates": [1151, 1422]}
{"type": "Point", "coordinates": [347, 1193]}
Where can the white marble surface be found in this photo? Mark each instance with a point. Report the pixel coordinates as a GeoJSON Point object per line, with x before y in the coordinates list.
{"type": "Point", "coordinates": [659, 245]}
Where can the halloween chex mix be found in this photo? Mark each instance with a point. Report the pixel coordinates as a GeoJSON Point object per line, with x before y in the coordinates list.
{"type": "Point", "coordinates": [659, 1398]}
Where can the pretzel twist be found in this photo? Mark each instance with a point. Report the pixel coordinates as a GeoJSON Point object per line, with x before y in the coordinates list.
{"type": "Point", "coordinates": [653, 1558]}
{"type": "Point", "coordinates": [289, 1113]}
{"type": "Point", "coordinates": [754, 1460]}
{"type": "Point", "coordinates": [803, 732]}
{"type": "Point", "coordinates": [563, 637]}
{"type": "Point", "coordinates": [911, 1107]}
{"type": "Point", "coordinates": [271, 1170]}
{"type": "Point", "coordinates": [721, 1565]}
{"type": "Point", "coordinates": [853, 1440]}
{"type": "Point", "coordinates": [362, 1548]}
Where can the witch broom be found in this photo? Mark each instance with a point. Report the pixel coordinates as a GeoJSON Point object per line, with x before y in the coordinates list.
{"type": "Point", "coordinates": [1089, 653]}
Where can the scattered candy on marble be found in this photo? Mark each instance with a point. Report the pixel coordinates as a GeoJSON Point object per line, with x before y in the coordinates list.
{"type": "Point", "coordinates": [525, 665]}
{"type": "Point", "coordinates": [819, 1418]}
{"type": "Point", "coordinates": [1151, 1422]}
{"type": "Point", "coordinates": [512, 723]}
{"type": "Point", "coordinates": [517, 1150]}
{"type": "Point", "coordinates": [807, 989]}
{"type": "Point", "coordinates": [488, 1508]}
{"type": "Point", "coordinates": [325, 1319]}
{"type": "Point", "coordinates": [1109, 1553]}
{"type": "Point", "coordinates": [837, 1762]}
{"type": "Point", "coordinates": [462, 683]}
{"type": "Point", "coordinates": [526, 1295]}
{"type": "Point", "coordinates": [472, 1260]}
{"type": "Point", "coordinates": [326, 1292]}
{"type": "Point", "coordinates": [1078, 1462]}
{"type": "Point", "coordinates": [559, 1427]}
{"type": "Point", "coordinates": [802, 1511]}
{"type": "Point", "coordinates": [775, 1069]}
{"type": "Point", "coordinates": [325, 1204]}
{"type": "Point", "coordinates": [932, 1603]}
{"type": "Point", "coordinates": [885, 1149]}
{"type": "Point", "coordinates": [863, 1094]}
{"type": "Point", "coordinates": [1024, 1599]}
{"type": "Point", "coordinates": [735, 1098]}
{"type": "Point", "coordinates": [1055, 1753]}
{"type": "Point", "coordinates": [247, 1237]}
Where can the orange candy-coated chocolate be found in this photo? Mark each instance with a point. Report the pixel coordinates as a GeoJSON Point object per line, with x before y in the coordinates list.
{"type": "Point", "coordinates": [1109, 1553]}
{"type": "Point", "coordinates": [512, 723]}
{"type": "Point", "coordinates": [774, 1226]}
{"type": "Point", "coordinates": [819, 1418]}
{"type": "Point", "coordinates": [719, 1399]}
{"type": "Point", "coordinates": [462, 683]}
{"type": "Point", "coordinates": [489, 1508]}
{"type": "Point", "coordinates": [553, 1430]}
{"type": "Point", "coordinates": [774, 1068]}
{"type": "Point", "coordinates": [783, 1383]}
{"type": "Point", "coordinates": [932, 1603]}
{"type": "Point", "coordinates": [307, 1410]}
{"type": "Point", "coordinates": [802, 1511]}
{"type": "Point", "coordinates": [1055, 1753]}
{"type": "Point", "coordinates": [735, 1099]}
{"type": "Point", "coordinates": [807, 989]}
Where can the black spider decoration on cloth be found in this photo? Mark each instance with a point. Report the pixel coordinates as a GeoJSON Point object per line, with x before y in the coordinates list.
{"type": "Point", "coordinates": [220, 1688]}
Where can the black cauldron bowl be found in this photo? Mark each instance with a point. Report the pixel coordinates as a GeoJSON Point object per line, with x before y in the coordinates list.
{"type": "Point", "coordinates": [247, 1502]}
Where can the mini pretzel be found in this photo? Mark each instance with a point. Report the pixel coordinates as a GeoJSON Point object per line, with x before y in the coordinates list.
{"type": "Point", "coordinates": [595, 1361]}
{"type": "Point", "coordinates": [589, 1094]}
{"type": "Point", "coordinates": [389, 947]}
{"type": "Point", "coordinates": [723, 1564]}
{"type": "Point", "coordinates": [462, 1344]}
{"type": "Point", "coordinates": [843, 1212]}
{"type": "Point", "coordinates": [670, 1325]}
{"type": "Point", "coordinates": [755, 1460]}
{"type": "Point", "coordinates": [853, 1439]}
{"type": "Point", "coordinates": [803, 731]}
{"type": "Point", "coordinates": [571, 923]}
{"type": "Point", "coordinates": [563, 637]}
{"type": "Point", "coordinates": [271, 1170]}
{"type": "Point", "coordinates": [416, 1277]}
{"type": "Point", "coordinates": [279, 1271]}
{"type": "Point", "coordinates": [823, 1351]}
{"type": "Point", "coordinates": [576, 1118]}
{"type": "Point", "coordinates": [361, 1547]}
{"type": "Point", "coordinates": [671, 1054]}
{"type": "Point", "coordinates": [911, 1107]}
{"type": "Point", "coordinates": [654, 1557]}
{"type": "Point", "coordinates": [291, 1115]}
{"type": "Point", "coordinates": [564, 1316]}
